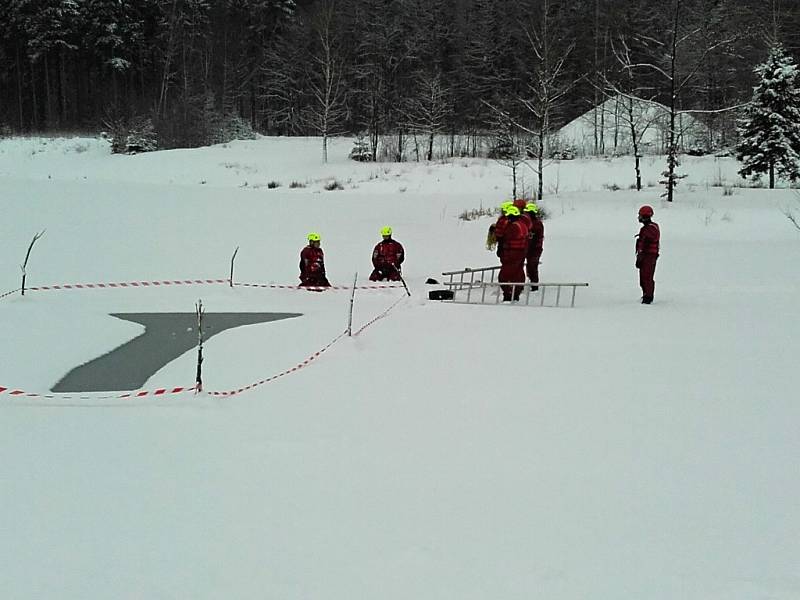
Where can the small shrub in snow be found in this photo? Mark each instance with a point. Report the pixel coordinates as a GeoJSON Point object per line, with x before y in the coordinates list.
{"type": "Point", "coordinates": [697, 151]}
{"type": "Point", "coordinates": [333, 185]}
{"type": "Point", "coordinates": [477, 213]}
{"type": "Point", "coordinates": [80, 148]}
{"type": "Point", "coordinates": [567, 153]}
{"type": "Point", "coordinates": [296, 184]}
{"type": "Point", "coordinates": [134, 136]}
{"type": "Point", "coordinates": [222, 129]}
{"type": "Point", "coordinates": [543, 213]}
{"type": "Point", "coordinates": [273, 184]}
{"type": "Point", "coordinates": [612, 186]}
{"type": "Point", "coordinates": [727, 190]}
{"type": "Point", "coordinates": [361, 150]}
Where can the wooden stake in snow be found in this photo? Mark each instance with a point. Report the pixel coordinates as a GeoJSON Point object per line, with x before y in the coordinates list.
{"type": "Point", "coordinates": [232, 259]}
{"type": "Point", "coordinates": [27, 256]}
{"type": "Point", "coordinates": [403, 281]}
{"type": "Point", "coordinates": [352, 300]}
{"type": "Point", "coordinates": [199, 379]}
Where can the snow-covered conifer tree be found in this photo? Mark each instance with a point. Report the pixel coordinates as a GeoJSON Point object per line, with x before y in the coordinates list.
{"type": "Point", "coordinates": [770, 128]}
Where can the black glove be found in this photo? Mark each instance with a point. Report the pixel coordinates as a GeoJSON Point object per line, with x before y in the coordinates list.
{"type": "Point", "coordinates": [638, 261]}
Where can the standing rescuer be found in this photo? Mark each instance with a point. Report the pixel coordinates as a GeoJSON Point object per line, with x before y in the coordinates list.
{"type": "Point", "coordinates": [514, 246]}
{"type": "Point", "coordinates": [497, 228]}
{"type": "Point", "coordinates": [535, 243]}
{"type": "Point", "coordinates": [387, 257]}
{"type": "Point", "coordinates": [312, 263]}
{"type": "Point", "coordinates": [647, 247]}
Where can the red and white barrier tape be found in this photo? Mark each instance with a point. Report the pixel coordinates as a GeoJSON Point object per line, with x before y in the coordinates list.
{"type": "Point", "coordinates": [380, 316]}
{"type": "Point", "coordinates": [141, 284]}
{"type": "Point", "coordinates": [9, 293]}
{"type": "Point", "coordinates": [297, 367]}
{"type": "Point", "coordinates": [126, 284]}
{"type": "Point", "coordinates": [16, 393]}
{"type": "Point", "coordinates": [314, 288]}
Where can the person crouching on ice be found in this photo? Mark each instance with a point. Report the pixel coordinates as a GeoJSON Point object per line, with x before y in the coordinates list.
{"type": "Point", "coordinates": [312, 263]}
{"type": "Point", "coordinates": [387, 257]}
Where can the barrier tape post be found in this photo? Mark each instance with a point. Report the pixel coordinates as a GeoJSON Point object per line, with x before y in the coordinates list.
{"type": "Point", "coordinates": [403, 281]}
{"type": "Point", "coordinates": [232, 259]}
{"type": "Point", "coordinates": [199, 378]}
{"type": "Point", "coordinates": [352, 300]}
{"type": "Point", "coordinates": [27, 256]}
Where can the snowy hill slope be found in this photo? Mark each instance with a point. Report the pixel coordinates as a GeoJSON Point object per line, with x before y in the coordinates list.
{"type": "Point", "coordinates": [612, 450]}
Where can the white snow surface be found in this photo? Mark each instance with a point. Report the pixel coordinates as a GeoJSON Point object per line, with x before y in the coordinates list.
{"type": "Point", "coordinates": [610, 451]}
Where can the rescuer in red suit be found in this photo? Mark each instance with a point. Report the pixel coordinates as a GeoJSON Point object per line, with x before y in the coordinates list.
{"type": "Point", "coordinates": [312, 263]}
{"type": "Point", "coordinates": [387, 256]}
{"type": "Point", "coordinates": [647, 247]}
{"type": "Point", "coordinates": [514, 245]}
{"type": "Point", "coordinates": [535, 243]}
{"type": "Point", "coordinates": [496, 230]}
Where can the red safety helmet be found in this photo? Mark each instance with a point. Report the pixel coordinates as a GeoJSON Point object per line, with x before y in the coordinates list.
{"type": "Point", "coordinates": [520, 203]}
{"type": "Point", "coordinates": [646, 211]}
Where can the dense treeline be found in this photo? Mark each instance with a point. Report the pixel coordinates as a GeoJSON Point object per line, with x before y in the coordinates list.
{"type": "Point", "coordinates": [379, 67]}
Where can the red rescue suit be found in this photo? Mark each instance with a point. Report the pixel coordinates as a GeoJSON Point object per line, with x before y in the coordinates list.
{"type": "Point", "coordinates": [498, 230]}
{"type": "Point", "coordinates": [312, 267]}
{"type": "Point", "coordinates": [647, 248]}
{"type": "Point", "coordinates": [535, 246]}
{"type": "Point", "coordinates": [387, 257]}
{"type": "Point", "coordinates": [514, 244]}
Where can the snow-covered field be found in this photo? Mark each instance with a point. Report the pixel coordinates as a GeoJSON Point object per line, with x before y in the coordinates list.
{"type": "Point", "coordinates": [610, 451]}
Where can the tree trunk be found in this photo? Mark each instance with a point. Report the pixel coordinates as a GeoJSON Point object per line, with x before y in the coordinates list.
{"type": "Point", "coordinates": [62, 89]}
{"type": "Point", "coordinates": [672, 107]}
{"type": "Point", "coordinates": [540, 172]}
{"type": "Point", "coordinates": [399, 144]}
{"type": "Point", "coordinates": [634, 143]}
{"type": "Point", "coordinates": [514, 180]}
{"type": "Point", "coordinates": [430, 146]}
{"type": "Point", "coordinates": [771, 175]}
{"type": "Point", "coordinates": [48, 114]}
{"type": "Point", "coordinates": [35, 106]}
{"type": "Point", "coordinates": [19, 92]}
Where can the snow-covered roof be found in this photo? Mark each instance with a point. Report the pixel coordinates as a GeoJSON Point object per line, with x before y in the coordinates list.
{"type": "Point", "coordinates": [606, 129]}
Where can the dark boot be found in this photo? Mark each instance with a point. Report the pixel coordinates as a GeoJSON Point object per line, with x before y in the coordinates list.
{"type": "Point", "coordinates": [647, 299]}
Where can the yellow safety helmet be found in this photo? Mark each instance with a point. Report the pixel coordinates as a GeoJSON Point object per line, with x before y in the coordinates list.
{"type": "Point", "coordinates": [314, 237]}
{"type": "Point", "coordinates": [531, 207]}
{"type": "Point", "coordinates": [386, 231]}
{"type": "Point", "coordinates": [506, 204]}
{"type": "Point", "coordinates": [511, 211]}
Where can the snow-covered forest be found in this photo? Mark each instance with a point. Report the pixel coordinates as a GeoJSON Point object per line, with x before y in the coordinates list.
{"type": "Point", "coordinates": [200, 71]}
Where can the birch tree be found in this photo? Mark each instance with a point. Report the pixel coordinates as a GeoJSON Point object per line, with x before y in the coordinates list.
{"type": "Point", "coordinates": [547, 85]}
{"type": "Point", "coordinates": [673, 59]}
{"type": "Point", "coordinates": [326, 76]}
